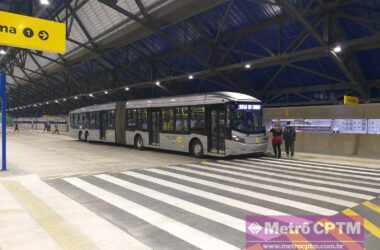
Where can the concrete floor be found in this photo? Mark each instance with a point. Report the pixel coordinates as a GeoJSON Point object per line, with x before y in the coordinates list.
{"type": "Point", "coordinates": [49, 155]}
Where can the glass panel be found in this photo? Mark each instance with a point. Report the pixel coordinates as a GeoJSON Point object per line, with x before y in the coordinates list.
{"type": "Point", "coordinates": [247, 118]}
{"type": "Point", "coordinates": [168, 120]}
{"type": "Point", "coordinates": [182, 117]}
{"type": "Point", "coordinates": [92, 120]}
{"type": "Point", "coordinates": [197, 119]}
{"type": "Point", "coordinates": [132, 118]}
{"type": "Point", "coordinates": [143, 119]}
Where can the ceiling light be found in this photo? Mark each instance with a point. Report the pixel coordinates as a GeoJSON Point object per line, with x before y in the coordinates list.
{"type": "Point", "coordinates": [337, 49]}
{"type": "Point", "coordinates": [191, 77]}
{"type": "Point", "coordinates": [76, 98]}
{"type": "Point", "coordinates": [47, 102]}
{"type": "Point", "coordinates": [158, 83]}
{"type": "Point", "coordinates": [91, 95]}
{"type": "Point", "coordinates": [127, 89]}
{"type": "Point", "coordinates": [44, 2]}
{"type": "Point", "coordinates": [3, 52]}
{"type": "Point", "coordinates": [106, 92]}
{"type": "Point", "coordinates": [64, 99]}
{"type": "Point", "coordinates": [248, 66]}
{"type": "Point", "coordinates": [56, 101]}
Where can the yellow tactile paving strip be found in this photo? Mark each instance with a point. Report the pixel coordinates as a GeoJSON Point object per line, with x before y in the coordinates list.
{"type": "Point", "coordinates": [368, 225]}
{"type": "Point", "coordinates": [66, 236]}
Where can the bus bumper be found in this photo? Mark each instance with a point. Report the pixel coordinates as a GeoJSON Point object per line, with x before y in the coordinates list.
{"type": "Point", "coordinates": [237, 148]}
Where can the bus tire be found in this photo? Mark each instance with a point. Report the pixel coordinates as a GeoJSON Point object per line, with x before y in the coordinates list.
{"type": "Point", "coordinates": [80, 136]}
{"type": "Point", "coordinates": [139, 142]}
{"type": "Point", "coordinates": [86, 136]}
{"type": "Point", "coordinates": [196, 148]}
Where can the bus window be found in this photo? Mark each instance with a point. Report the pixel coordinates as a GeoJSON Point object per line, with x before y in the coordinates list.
{"type": "Point", "coordinates": [111, 120]}
{"type": "Point", "coordinates": [86, 124]}
{"type": "Point", "coordinates": [131, 118]}
{"type": "Point", "coordinates": [167, 120]}
{"type": "Point", "coordinates": [182, 117]}
{"type": "Point", "coordinates": [143, 119]}
{"type": "Point", "coordinates": [92, 120]}
{"type": "Point", "coordinates": [197, 119]}
{"type": "Point", "coordinates": [97, 120]}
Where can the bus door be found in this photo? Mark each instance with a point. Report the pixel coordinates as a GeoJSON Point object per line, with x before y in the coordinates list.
{"type": "Point", "coordinates": [216, 129]}
{"type": "Point", "coordinates": [154, 128]}
{"type": "Point", "coordinates": [103, 125]}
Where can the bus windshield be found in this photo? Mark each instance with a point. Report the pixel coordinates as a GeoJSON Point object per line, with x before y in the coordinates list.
{"type": "Point", "coordinates": [247, 119]}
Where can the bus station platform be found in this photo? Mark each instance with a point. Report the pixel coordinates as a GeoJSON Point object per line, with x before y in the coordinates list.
{"type": "Point", "coordinates": [160, 200]}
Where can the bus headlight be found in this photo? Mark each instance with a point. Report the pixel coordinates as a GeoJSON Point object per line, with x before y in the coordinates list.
{"type": "Point", "coordinates": [238, 139]}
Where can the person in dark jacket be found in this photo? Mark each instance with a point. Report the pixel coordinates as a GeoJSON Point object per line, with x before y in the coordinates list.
{"type": "Point", "coordinates": [290, 139]}
{"type": "Point", "coordinates": [276, 140]}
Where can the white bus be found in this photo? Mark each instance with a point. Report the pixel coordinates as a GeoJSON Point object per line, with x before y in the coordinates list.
{"type": "Point", "coordinates": [216, 124]}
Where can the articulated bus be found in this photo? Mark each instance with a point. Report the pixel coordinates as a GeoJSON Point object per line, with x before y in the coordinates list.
{"type": "Point", "coordinates": [215, 124]}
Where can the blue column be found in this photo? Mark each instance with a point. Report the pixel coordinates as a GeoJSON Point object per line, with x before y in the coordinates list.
{"type": "Point", "coordinates": [3, 94]}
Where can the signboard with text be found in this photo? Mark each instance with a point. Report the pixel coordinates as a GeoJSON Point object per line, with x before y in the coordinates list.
{"type": "Point", "coordinates": [32, 33]}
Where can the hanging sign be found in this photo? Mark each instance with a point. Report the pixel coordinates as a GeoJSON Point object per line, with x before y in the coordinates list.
{"type": "Point", "coordinates": [32, 33]}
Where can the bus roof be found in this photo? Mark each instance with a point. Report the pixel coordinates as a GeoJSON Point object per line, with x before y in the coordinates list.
{"type": "Point", "coordinates": [186, 100]}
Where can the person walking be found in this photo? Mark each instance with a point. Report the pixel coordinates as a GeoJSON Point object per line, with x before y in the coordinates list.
{"type": "Point", "coordinates": [16, 129]}
{"type": "Point", "coordinates": [56, 130]}
{"type": "Point", "coordinates": [276, 139]}
{"type": "Point", "coordinates": [290, 139]}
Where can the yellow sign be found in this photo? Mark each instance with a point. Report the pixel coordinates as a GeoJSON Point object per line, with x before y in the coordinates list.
{"type": "Point", "coordinates": [351, 100]}
{"type": "Point", "coordinates": [32, 33]}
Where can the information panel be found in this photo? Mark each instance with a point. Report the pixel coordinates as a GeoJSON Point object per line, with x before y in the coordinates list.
{"type": "Point", "coordinates": [350, 126]}
{"type": "Point", "coordinates": [374, 126]}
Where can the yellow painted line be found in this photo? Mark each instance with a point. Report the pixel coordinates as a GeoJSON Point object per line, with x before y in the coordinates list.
{"type": "Point", "coordinates": [368, 225]}
{"type": "Point", "coordinates": [67, 236]}
{"type": "Point", "coordinates": [372, 206]}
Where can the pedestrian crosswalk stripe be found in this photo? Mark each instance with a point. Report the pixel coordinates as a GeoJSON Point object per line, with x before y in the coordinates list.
{"type": "Point", "coordinates": [309, 170]}
{"type": "Point", "coordinates": [315, 163]}
{"type": "Point", "coordinates": [372, 206]}
{"type": "Point", "coordinates": [334, 169]}
{"type": "Point", "coordinates": [367, 224]}
{"type": "Point", "coordinates": [308, 195]}
{"type": "Point", "coordinates": [288, 183]}
{"type": "Point", "coordinates": [182, 231]}
{"type": "Point", "coordinates": [207, 213]}
{"type": "Point", "coordinates": [207, 195]}
{"type": "Point", "coordinates": [293, 173]}
{"type": "Point", "coordinates": [254, 171]}
{"type": "Point", "coordinates": [282, 201]}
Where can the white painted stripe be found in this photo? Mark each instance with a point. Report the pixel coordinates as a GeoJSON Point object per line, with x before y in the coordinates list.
{"type": "Point", "coordinates": [207, 195]}
{"type": "Point", "coordinates": [370, 169]}
{"type": "Point", "coordinates": [103, 233]}
{"type": "Point", "coordinates": [346, 193]}
{"type": "Point", "coordinates": [186, 233]}
{"type": "Point", "coordinates": [308, 170]}
{"type": "Point", "coordinates": [334, 169]}
{"type": "Point", "coordinates": [205, 212]}
{"type": "Point", "coordinates": [274, 199]}
{"type": "Point", "coordinates": [335, 179]}
{"type": "Point", "coordinates": [307, 195]}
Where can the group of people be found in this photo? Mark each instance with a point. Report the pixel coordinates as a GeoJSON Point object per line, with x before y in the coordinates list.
{"type": "Point", "coordinates": [279, 135]}
{"type": "Point", "coordinates": [47, 128]}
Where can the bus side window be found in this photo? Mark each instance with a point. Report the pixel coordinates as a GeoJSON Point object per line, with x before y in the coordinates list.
{"type": "Point", "coordinates": [131, 119]}
{"type": "Point", "coordinates": [167, 120]}
{"type": "Point", "coordinates": [92, 120]}
{"type": "Point", "coordinates": [182, 117]}
{"type": "Point", "coordinates": [111, 119]}
{"type": "Point", "coordinates": [198, 119]}
{"type": "Point", "coordinates": [143, 119]}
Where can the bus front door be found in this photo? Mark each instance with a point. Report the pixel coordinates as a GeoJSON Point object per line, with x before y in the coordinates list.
{"type": "Point", "coordinates": [154, 131]}
{"type": "Point", "coordinates": [217, 130]}
{"type": "Point", "coordinates": [103, 125]}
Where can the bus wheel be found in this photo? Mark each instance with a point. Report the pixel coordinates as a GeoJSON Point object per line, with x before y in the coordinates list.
{"type": "Point", "coordinates": [139, 143]}
{"type": "Point", "coordinates": [197, 148]}
{"type": "Point", "coordinates": [80, 136]}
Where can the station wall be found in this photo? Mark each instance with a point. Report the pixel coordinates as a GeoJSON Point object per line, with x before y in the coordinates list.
{"type": "Point", "coordinates": [333, 144]}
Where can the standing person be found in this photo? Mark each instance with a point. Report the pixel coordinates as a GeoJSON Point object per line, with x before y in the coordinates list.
{"type": "Point", "coordinates": [16, 128]}
{"type": "Point", "coordinates": [45, 127]}
{"type": "Point", "coordinates": [56, 130]}
{"type": "Point", "coordinates": [277, 139]}
{"type": "Point", "coordinates": [290, 139]}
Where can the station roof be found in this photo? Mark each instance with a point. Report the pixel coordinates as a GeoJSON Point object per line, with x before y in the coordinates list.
{"type": "Point", "coordinates": [285, 52]}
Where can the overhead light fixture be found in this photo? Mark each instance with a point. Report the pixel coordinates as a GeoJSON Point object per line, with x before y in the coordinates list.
{"type": "Point", "coordinates": [64, 99]}
{"type": "Point", "coordinates": [106, 92]}
{"type": "Point", "coordinates": [158, 83]}
{"type": "Point", "coordinates": [248, 66]}
{"type": "Point", "coordinates": [56, 101]}
{"type": "Point", "coordinates": [191, 77]}
{"type": "Point", "coordinates": [76, 97]}
{"type": "Point", "coordinates": [47, 102]}
{"type": "Point", "coordinates": [127, 89]}
{"type": "Point", "coordinates": [44, 2]}
{"type": "Point", "coordinates": [3, 52]}
{"type": "Point", "coordinates": [338, 49]}
{"type": "Point", "coordinates": [91, 95]}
